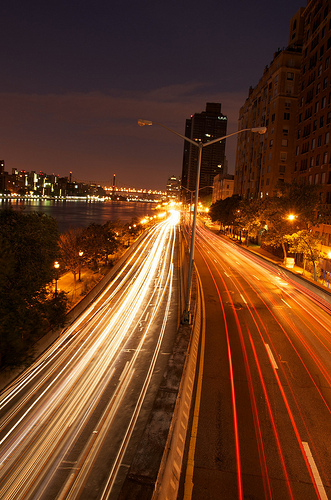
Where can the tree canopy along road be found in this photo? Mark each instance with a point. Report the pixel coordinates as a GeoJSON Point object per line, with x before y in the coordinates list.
{"type": "Point", "coordinates": [69, 423]}
{"type": "Point", "coordinates": [262, 421]}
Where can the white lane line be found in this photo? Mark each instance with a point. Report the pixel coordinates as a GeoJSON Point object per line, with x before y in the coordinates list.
{"type": "Point", "coordinates": [317, 477]}
{"type": "Point", "coordinates": [124, 371]}
{"type": "Point", "coordinates": [243, 299]}
{"type": "Point", "coordinates": [288, 305]}
{"type": "Point", "coordinates": [271, 356]}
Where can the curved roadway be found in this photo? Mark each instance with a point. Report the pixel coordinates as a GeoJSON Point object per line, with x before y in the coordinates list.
{"type": "Point", "coordinates": [69, 424]}
{"type": "Point", "coordinates": [262, 415]}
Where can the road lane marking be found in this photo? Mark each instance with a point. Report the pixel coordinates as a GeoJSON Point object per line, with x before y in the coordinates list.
{"type": "Point", "coordinates": [317, 477]}
{"type": "Point", "coordinates": [271, 357]}
{"type": "Point", "coordinates": [288, 305]}
{"type": "Point", "coordinates": [123, 374]}
{"type": "Point", "coordinates": [243, 299]}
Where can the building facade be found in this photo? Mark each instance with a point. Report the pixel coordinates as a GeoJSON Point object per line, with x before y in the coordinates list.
{"type": "Point", "coordinates": [173, 188]}
{"type": "Point", "coordinates": [312, 161]}
{"type": "Point", "coordinates": [264, 160]}
{"type": "Point", "coordinates": [223, 186]}
{"type": "Point", "coordinates": [23, 183]}
{"type": "Point", "coordinates": [204, 127]}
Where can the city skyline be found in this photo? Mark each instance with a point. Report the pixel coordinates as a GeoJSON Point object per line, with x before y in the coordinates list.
{"type": "Point", "coordinates": [76, 81]}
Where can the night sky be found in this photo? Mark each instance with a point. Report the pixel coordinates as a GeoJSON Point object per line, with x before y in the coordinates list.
{"type": "Point", "coordinates": [76, 76]}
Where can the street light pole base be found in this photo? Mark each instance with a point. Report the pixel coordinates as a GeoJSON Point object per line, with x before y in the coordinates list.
{"type": "Point", "coordinates": [186, 318]}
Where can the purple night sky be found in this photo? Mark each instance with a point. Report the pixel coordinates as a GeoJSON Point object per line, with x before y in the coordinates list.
{"type": "Point", "coordinates": [76, 76]}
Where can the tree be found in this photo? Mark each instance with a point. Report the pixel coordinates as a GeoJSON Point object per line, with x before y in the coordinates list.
{"type": "Point", "coordinates": [112, 234]}
{"type": "Point", "coordinates": [303, 201]}
{"type": "Point", "coordinates": [224, 211]}
{"type": "Point", "coordinates": [70, 245]}
{"type": "Point", "coordinates": [308, 244]}
{"type": "Point", "coordinates": [250, 217]}
{"type": "Point", "coordinates": [94, 245]}
{"type": "Point", "coordinates": [279, 226]}
{"type": "Point", "coordinates": [300, 201]}
{"type": "Point", "coordinates": [28, 245]}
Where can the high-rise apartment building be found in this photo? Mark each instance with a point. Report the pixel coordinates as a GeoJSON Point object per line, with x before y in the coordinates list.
{"type": "Point", "coordinates": [204, 127]}
{"type": "Point", "coordinates": [264, 160]}
{"type": "Point", "coordinates": [312, 161]}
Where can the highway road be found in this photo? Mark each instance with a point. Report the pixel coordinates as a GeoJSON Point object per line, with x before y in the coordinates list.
{"type": "Point", "coordinates": [261, 427]}
{"type": "Point", "coordinates": [69, 423]}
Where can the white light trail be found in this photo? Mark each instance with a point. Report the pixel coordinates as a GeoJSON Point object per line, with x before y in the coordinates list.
{"type": "Point", "coordinates": [67, 382]}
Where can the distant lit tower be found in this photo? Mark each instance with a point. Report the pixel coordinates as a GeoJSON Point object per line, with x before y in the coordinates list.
{"type": "Point", "coordinates": [2, 175]}
{"type": "Point", "coordinates": [173, 188]}
{"type": "Point", "coordinates": [204, 127]}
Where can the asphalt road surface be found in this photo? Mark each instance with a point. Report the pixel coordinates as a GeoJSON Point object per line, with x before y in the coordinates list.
{"type": "Point", "coordinates": [69, 423]}
{"type": "Point", "coordinates": [261, 427]}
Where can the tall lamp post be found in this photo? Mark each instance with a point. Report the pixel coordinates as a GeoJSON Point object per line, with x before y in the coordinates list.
{"type": "Point", "coordinates": [190, 191]}
{"type": "Point", "coordinates": [56, 267]}
{"type": "Point", "coordinates": [80, 255]}
{"type": "Point", "coordinates": [200, 146]}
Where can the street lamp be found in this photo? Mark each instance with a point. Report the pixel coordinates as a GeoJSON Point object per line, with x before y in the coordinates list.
{"type": "Point", "coordinates": [191, 191]}
{"type": "Point", "coordinates": [200, 146]}
{"type": "Point", "coordinates": [80, 253]}
{"type": "Point", "coordinates": [56, 266]}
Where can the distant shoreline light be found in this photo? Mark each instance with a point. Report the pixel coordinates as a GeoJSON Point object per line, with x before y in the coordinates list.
{"type": "Point", "coordinates": [87, 198]}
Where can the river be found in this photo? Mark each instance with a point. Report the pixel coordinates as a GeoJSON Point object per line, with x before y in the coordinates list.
{"type": "Point", "coordinates": [80, 213]}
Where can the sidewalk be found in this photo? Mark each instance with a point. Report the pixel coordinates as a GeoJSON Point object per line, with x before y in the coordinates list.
{"type": "Point", "coordinates": [297, 270]}
{"type": "Point", "coordinates": [307, 275]}
{"type": "Point", "coordinates": [76, 290]}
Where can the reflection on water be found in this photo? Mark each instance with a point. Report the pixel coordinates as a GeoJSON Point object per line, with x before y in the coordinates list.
{"type": "Point", "coordinates": [72, 213]}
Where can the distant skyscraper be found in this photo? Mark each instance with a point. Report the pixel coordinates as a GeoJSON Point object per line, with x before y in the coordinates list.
{"type": "Point", "coordinates": [204, 127]}
{"type": "Point", "coordinates": [173, 188]}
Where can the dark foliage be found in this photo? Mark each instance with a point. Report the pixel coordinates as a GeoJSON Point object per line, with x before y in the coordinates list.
{"type": "Point", "coordinates": [28, 249]}
{"type": "Point", "coordinates": [89, 247]}
{"type": "Point", "coordinates": [224, 211]}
